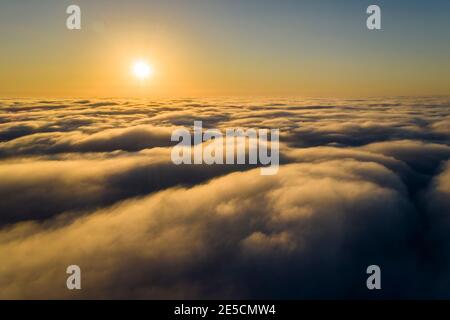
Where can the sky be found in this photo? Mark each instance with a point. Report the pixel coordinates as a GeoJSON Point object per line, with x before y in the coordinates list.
{"type": "Point", "coordinates": [225, 48]}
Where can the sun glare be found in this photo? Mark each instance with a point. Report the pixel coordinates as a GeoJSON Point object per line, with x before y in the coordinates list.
{"type": "Point", "coordinates": [142, 70]}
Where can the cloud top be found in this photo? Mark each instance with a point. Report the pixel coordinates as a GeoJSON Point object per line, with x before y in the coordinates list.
{"type": "Point", "coordinates": [91, 183]}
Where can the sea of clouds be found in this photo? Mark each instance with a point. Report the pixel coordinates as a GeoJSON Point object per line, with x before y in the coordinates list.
{"type": "Point", "coordinates": [91, 183]}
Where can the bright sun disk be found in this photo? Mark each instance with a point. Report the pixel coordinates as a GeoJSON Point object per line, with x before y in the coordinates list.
{"type": "Point", "coordinates": [142, 70]}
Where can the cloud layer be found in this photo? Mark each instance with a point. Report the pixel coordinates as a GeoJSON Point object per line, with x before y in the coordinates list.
{"type": "Point", "coordinates": [91, 183]}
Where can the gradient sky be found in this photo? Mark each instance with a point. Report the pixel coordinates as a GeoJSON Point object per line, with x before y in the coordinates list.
{"type": "Point", "coordinates": [209, 47]}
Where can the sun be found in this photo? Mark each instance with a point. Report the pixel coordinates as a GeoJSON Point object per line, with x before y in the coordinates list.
{"type": "Point", "coordinates": [142, 70]}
